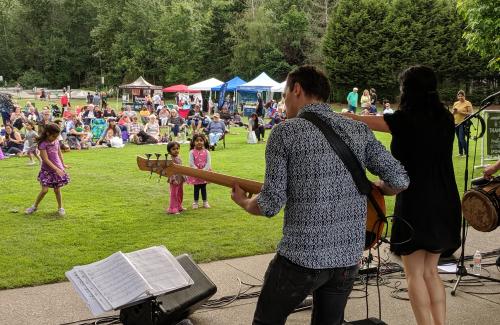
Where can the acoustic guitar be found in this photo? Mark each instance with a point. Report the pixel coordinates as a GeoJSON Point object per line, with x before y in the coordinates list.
{"type": "Point", "coordinates": [166, 168]}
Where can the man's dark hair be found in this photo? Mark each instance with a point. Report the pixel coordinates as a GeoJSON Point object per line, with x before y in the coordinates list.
{"type": "Point", "coordinates": [312, 80]}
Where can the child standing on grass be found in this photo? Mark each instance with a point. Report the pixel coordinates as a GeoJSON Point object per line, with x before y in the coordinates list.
{"type": "Point", "coordinates": [52, 173]}
{"type": "Point", "coordinates": [199, 157]}
{"type": "Point", "coordinates": [29, 142]}
{"type": "Point", "coordinates": [176, 181]}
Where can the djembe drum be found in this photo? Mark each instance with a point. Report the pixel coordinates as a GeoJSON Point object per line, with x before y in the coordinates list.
{"type": "Point", "coordinates": [481, 206]}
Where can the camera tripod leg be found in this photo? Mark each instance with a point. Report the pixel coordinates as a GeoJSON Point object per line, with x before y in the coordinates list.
{"type": "Point", "coordinates": [456, 285]}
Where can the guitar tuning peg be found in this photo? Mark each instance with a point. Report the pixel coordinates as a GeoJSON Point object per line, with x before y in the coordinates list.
{"type": "Point", "coordinates": [148, 163]}
{"type": "Point", "coordinates": [158, 155]}
{"type": "Point", "coordinates": [166, 156]}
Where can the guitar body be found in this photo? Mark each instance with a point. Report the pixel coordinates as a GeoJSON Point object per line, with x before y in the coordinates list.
{"type": "Point", "coordinates": [374, 224]}
{"type": "Point", "coordinates": [162, 167]}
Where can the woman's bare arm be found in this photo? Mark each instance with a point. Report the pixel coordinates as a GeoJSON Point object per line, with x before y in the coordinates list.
{"type": "Point", "coordinates": [374, 122]}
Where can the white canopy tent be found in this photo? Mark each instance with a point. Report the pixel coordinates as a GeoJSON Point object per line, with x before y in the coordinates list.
{"type": "Point", "coordinates": [206, 85]}
{"type": "Point", "coordinates": [280, 88]}
{"type": "Point", "coordinates": [261, 83]}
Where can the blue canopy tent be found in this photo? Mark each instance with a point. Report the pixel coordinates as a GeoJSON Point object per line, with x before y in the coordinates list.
{"type": "Point", "coordinates": [262, 83]}
{"type": "Point", "coordinates": [230, 86]}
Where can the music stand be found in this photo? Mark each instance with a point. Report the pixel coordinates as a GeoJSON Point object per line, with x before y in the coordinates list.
{"type": "Point", "coordinates": [461, 269]}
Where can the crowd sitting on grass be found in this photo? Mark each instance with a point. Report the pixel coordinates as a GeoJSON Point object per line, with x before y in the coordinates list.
{"type": "Point", "coordinates": [90, 126]}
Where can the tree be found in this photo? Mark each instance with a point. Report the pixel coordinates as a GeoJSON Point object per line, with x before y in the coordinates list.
{"type": "Point", "coordinates": [320, 13]}
{"type": "Point", "coordinates": [254, 44]}
{"type": "Point", "coordinates": [362, 42]}
{"type": "Point", "coordinates": [271, 39]}
{"type": "Point", "coordinates": [293, 36]}
{"type": "Point", "coordinates": [482, 30]}
{"type": "Point", "coordinates": [123, 40]}
{"type": "Point", "coordinates": [9, 65]}
{"type": "Point", "coordinates": [352, 47]}
{"type": "Point", "coordinates": [178, 32]}
{"type": "Point", "coordinates": [216, 42]}
{"type": "Point", "coordinates": [393, 35]}
{"type": "Point", "coordinates": [51, 38]}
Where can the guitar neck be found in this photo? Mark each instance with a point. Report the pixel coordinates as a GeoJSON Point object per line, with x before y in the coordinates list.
{"type": "Point", "coordinates": [248, 185]}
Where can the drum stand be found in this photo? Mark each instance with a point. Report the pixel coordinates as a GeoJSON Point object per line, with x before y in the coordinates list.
{"type": "Point", "coordinates": [461, 269]}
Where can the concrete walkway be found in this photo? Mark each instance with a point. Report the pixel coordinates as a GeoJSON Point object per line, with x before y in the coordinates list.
{"type": "Point", "coordinates": [58, 303]}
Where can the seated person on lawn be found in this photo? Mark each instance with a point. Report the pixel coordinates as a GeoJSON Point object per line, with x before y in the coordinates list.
{"type": "Point", "coordinates": [177, 123]}
{"type": "Point", "coordinates": [111, 131]}
{"type": "Point", "coordinates": [74, 132]}
{"type": "Point", "coordinates": [134, 128]}
{"type": "Point", "coordinates": [216, 130]}
{"type": "Point", "coordinates": [195, 119]}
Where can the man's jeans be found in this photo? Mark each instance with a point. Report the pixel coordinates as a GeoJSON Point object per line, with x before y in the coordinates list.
{"type": "Point", "coordinates": [287, 284]}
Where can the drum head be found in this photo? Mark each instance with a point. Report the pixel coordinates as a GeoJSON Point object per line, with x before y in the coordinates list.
{"type": "Point", "coordinates": [479, 211]}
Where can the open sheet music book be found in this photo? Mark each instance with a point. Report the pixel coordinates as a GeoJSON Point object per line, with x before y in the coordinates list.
{"type": "Point", "coordinates": [123, 279]}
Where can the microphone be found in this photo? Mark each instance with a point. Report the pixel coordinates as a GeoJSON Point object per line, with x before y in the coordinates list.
{"type": "Point", "coordinates": [490, 97]}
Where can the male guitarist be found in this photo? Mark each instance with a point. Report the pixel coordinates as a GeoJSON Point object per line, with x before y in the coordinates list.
{"type": "Point", "coordinates": [325, 215]}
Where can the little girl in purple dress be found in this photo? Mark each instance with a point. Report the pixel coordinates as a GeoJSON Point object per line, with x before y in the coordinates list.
{"type": "Point", "coordinates": [52, 173]}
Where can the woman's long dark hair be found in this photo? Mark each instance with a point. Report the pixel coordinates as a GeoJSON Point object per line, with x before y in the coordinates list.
{"type": "Point", "coordinates": [7, 134]}
{"type": "Point", "coordinates": [419, 90]}
{"type": "Point", "coordinates": [48, 130]}
{"type": "Point", "coordinates": [112, 127]}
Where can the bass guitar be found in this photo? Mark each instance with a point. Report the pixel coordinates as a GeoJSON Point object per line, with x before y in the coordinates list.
{"type": "Point", "coordinates": [166, 168]}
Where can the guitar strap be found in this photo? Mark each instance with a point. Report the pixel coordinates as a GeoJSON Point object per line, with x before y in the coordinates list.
{"type": "Point", "coordinates": [348, 158]}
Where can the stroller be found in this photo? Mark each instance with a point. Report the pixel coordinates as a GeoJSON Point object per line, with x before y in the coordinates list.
{"type": "Point", "coordinates": [98, 128]}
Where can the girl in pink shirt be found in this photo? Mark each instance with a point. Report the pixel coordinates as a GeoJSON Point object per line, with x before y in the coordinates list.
{"type": "Point", "coordinates": [199, 157]}
{"type": "Point", "coordinates": [52, 173]}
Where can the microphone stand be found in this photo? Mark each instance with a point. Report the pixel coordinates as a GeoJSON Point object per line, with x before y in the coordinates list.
{"type": "Point", "coordinates": [461, 269]}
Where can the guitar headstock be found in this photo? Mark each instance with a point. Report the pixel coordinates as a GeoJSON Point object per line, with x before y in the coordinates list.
{"type": "Point", "coordinates": [154, 164]}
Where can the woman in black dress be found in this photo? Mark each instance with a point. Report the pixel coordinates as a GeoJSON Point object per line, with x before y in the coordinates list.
{"type": "Point", "coordinates": [422, 139]}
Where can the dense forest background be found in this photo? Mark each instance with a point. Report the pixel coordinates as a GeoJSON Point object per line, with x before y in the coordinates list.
{"type": "Point", "coordinates": [363, 43]}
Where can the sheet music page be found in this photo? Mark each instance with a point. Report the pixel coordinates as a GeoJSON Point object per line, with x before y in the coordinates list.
{"type": "Point", "coordinates": [160, 268]}
{"type": "Point", "coordinates": [90, 300]}
{"type": "Point", "coordinates": [116, 279]}
{"type": "Point", "coordinates": [92, 289]}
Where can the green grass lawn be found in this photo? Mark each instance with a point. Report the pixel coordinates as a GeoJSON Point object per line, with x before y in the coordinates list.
{"type": "Point", "coordinates": [113, 206]}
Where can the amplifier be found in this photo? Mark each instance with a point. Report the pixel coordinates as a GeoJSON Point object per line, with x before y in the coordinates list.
{"type": "Point", "coordinates": [170, 308]}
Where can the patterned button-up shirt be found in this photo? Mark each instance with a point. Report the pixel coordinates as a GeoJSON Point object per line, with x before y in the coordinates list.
{"type": "Point", "coordinates": [325, 215]}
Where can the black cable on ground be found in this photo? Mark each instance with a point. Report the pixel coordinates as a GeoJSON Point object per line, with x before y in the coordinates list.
{"type": "Point", "coordinates": [107, 320]}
